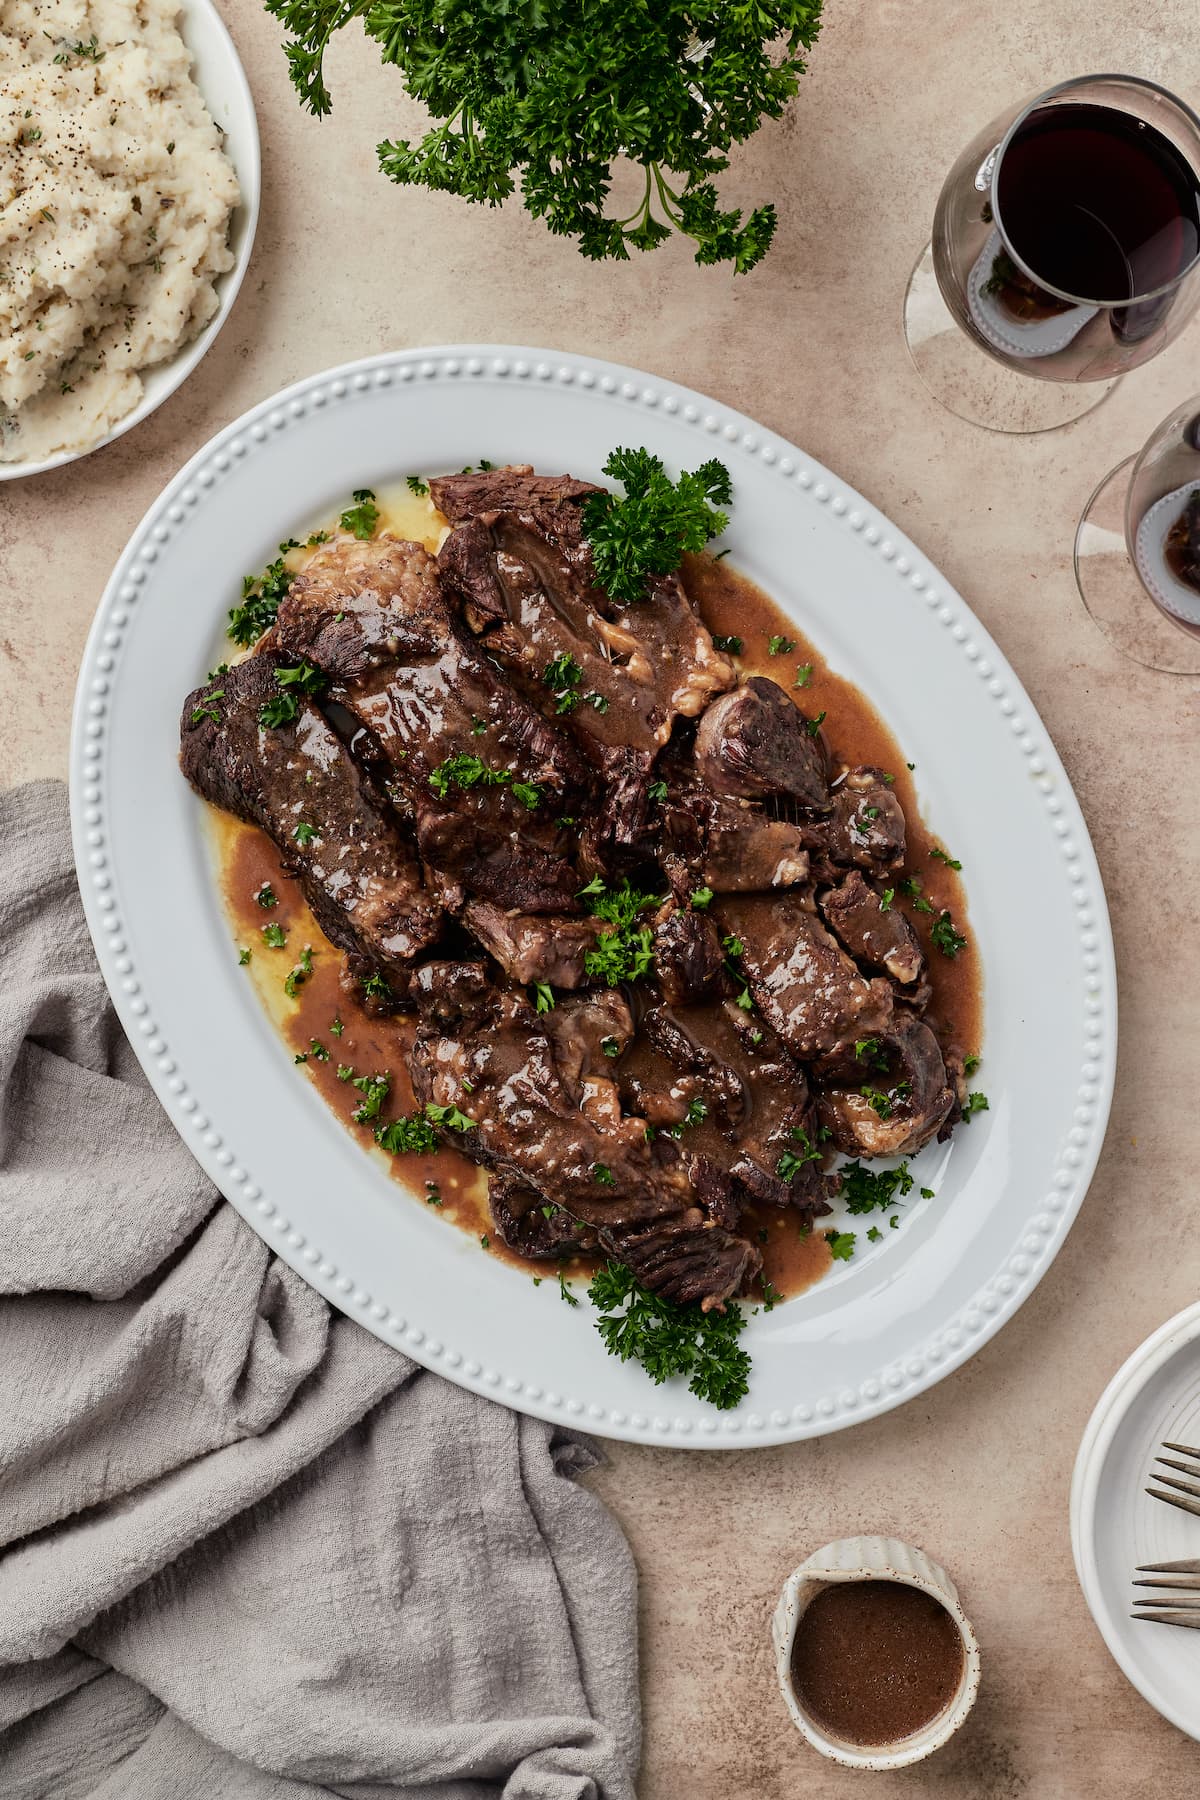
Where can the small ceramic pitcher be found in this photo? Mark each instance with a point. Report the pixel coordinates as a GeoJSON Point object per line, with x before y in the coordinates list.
{"type": "Point", "coordinates": [873, 1559]}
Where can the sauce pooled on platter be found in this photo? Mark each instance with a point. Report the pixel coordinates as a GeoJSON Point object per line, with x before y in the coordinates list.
{"type": "Point", "coordinates": [339, 1041]}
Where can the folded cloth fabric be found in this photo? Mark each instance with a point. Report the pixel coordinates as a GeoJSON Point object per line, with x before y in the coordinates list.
{"type": "Point", "coordinates": [246, 1549]}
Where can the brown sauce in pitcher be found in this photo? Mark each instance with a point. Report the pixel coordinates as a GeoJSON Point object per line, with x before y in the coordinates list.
{"type": "Point", "coordinates": [874, 1661]}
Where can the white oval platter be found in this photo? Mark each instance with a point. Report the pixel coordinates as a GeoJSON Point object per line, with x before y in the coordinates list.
{"type": "Point", "coordinates": [218, 73]}
{"type": "Point", "coordinates": [878, 1329]}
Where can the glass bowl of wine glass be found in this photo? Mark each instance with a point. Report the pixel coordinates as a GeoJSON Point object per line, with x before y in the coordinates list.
{"type": "Point", "coordinates": [1137, 549]}
{"type": "Point", "coordinates": [1065, 251]}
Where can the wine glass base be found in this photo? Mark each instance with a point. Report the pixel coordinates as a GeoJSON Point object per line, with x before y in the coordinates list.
{"type": "Point", "coordinates": [973, 385]}
{"type": "Point", "coordinates": [1113, 592]}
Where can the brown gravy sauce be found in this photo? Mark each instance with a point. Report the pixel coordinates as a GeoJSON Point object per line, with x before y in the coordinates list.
{"type": "Point", "coordinates": [730, 604]}
{"type": "Point", "coordinates": [873, 1661]}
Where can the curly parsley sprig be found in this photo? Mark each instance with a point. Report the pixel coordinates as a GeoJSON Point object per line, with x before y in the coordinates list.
{"type": "Point", "coordinates": [549, 95]}
{"type": "Point", "coordinates": [669, 1339]}
{"type": "Point", "coordinates": [647, 531]}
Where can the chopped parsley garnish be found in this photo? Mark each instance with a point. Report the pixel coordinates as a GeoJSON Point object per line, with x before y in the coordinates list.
{"type": "Point", "coordinates": [868, 1049]}
{"type": "Point", "coordinates": [732, 944]}
{"type": "Point", "coordinates": [564, 1292]}
{"type": "Point", "coordinates": [841, 1245]}
{"type": "Point", "coordinates": [879, 1103]}
{"type": "Point", "coordinates": [974, 1103]}
{"type": "Point", "coordinates": [467, 771]}
{"type": "Point", "coordinates": [874, 1235]}
{"type": "Point", "coordinates": [283, 708]}
{"type": "Point", "coordinates": [771, 1296]}
{"type": "Point", "coordinates": [344, 1071]}
{"type": "Point", "coordinates": [611, 1046]}
{"type": "Point", "coordinates": [871, 1190]}
{"type": "Point", "coordinates": [261, 595]}
{"type": "Point", "coordinates": [478, 727]}
{"type": "Point", "coordinates": [363, 516]}
{"type": "Point", "coordinates": [804, 675]}
{"type": "Point", "coordinates": [942, 856]}
{"type": "Point", "coordinates": [449, 1116]}
{"type": "Point", "coordinates": [337, 1027]}
{"type": "Point", "coordinates": [300, 973]}
{"type": "Point", "coordinates": [484, 1241]}
{"type": "Point", "coordinates": [647, 531]}
{"type": "Point", "coordinates": [274, 936]}
{"type": "Point", "coordinates": [266, 895]}
{"type": "Point", "coordinates": [701, 898]}
{"type": "Point", "coordinates": [792, 1161]}
{"type": "Point", "coordinates": [243, 956]}
{"type": "Point", "coordinates": [543, 996]}
{"type": "Point", "coordinates": [886, 898]}
{"type": "Point", "coordinates": [562, 677]}
{"type": "Point", "coordinates": [697, 1111]}
{"type": "Point", "coordinates": [603, 1174]}
{"type": "Point", "coordinates": [943, 934]}
{"type": "Point", "coordinates": [814, 725]}
{"type": "Point", "coordinates": [376, 988]}
{"type": "Point", "coordinates": [416, 486]}
{"type": "Point", "coordinates": [374, 1090]}
{"type": "Point", "coordinates": [317, 1050]}
{"type": "Point", "coordinates": [780, 646]}
{"type": "Point", "coordinates": [401, 1135]}
{"type": "Point", "coordinates": [316, 537]}
{"type": "Point", "coordinates": [208, 709]}
{"type": "Point", "coordinates": [302, 1057]}
{"type": "Point", "coordinates": [732, 644]}
{"type": "Point", "coordinates": [668, 1339]}
{"type": "Point", "coordinates": [626, 950]}
{"type": "Point", "coordinates": [970, 1064]}
{"type": "Point", "coordinates": [912, 887]}
{"type": "Point", "coordinates": [657, 790]}
{"type": "Point", "coordinates": [304, 834]}
{"type": "Point", "coordinates": [597, 702]}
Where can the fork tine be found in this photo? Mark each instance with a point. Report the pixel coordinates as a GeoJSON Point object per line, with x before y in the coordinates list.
{"type": "Point", "coordinates": [1188, 1506]}
{"type": "Point", "coordinates": [1191, 1620]}
{"type": "Point", "coordinates": [1183, 1449]}
{"type": "Point", "coordinates": [1187, 1603]}
{"type": "Point", "coordinates": [1188, 1583]}
{"type": "Point", "coordinates": [1189, 1566]}
{"type": "Point", "coordinates": [1172, 1462]}
{"type": "Point", "coordinates": [1181, 1487]}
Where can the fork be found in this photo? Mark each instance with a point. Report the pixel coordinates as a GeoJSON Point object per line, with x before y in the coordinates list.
{"type": "Point", "coordinates": [1178, 1600]}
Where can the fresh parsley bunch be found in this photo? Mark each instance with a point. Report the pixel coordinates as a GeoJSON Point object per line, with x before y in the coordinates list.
{"type": "Point", "coordinates": [550, 93]}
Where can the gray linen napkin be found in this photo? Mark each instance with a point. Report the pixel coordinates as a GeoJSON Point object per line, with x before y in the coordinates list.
{"type": "Point", "coordinates": [247, 1550]}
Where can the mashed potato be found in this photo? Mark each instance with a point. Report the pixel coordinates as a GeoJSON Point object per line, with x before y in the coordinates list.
{"type": "Point", "coordinates": [115, 199]}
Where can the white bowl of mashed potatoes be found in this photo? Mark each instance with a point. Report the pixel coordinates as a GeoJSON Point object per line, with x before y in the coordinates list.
{"type": "Point", "coordinates": [129, 187]}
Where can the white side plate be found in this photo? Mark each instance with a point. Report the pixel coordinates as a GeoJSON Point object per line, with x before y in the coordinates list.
{"type": "Point", "coordinates": [877, 1330]}
{"type": "Point", "coordinates": [1115, 1525]}
{"type": "Point", "coordinates": [219, 75]}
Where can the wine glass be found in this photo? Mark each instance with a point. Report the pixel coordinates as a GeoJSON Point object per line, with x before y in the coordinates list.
{"type": "Point", "coordinates": [1066, 247]}
{"type": "Point", "coordinates": [1138, 543]}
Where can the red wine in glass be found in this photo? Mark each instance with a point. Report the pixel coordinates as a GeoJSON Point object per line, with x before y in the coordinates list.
{"type": "Point", "coordinates": [1099, 205]}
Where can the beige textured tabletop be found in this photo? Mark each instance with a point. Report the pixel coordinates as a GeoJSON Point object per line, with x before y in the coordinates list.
{"type": "Point", "coordinates": [977, 1470]}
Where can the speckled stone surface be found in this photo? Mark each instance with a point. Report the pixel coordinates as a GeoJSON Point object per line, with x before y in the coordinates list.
{"type": "Point", "coordinates": [977, 1471]}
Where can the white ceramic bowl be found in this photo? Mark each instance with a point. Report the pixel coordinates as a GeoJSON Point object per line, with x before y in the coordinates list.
{"type": "Point", "coordinates": [872, 1559]}
{"type": "Point", "coordinates": [1115, 1525]}
{"type": "Point", "coordinates": [219, 75]}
